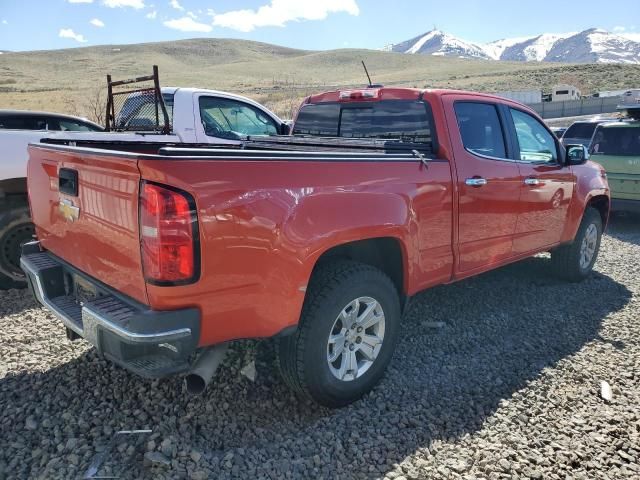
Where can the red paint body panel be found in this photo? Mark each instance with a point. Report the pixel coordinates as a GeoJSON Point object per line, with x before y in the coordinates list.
{"type": "Point", "coordinates": [262, 231]}
{"type": "Point", "coordinates": [264, 224]}
{"type": "Point", "coordinates": [104, 240]}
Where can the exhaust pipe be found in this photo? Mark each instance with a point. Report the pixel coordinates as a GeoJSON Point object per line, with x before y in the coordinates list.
{"type": "Point", "coordinates": [204, 368]}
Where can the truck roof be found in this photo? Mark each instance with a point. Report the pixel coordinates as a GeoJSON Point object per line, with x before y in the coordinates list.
{"type": "Point", "coordinates": [218, 93]}
{"type": "Point", "coordinates": [391, 93]}
{"type": "Point", "coordinates": [621, 124]}
{"type": "Point", "coordinates": [31, 113]}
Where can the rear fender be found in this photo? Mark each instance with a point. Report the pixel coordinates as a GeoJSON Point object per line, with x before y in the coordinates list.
{"type": "Point", "coordinates": [368, 215]}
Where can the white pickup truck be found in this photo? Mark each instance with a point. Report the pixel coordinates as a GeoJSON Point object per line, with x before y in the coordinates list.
{"type": "Point", "coordinates": [196, 116]}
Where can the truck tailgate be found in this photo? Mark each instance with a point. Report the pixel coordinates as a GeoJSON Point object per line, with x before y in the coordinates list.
{"type": "Point", "coordinates": [94, 228]}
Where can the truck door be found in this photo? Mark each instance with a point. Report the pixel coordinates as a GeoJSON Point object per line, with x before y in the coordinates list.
{"type": "Point", "coordinates": [547, 185]}
{"type": "Point", "coordinates": [488, 182]}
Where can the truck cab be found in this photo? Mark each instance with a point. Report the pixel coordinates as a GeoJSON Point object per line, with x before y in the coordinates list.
{"type": "Point", "coordinates": [202, 116]}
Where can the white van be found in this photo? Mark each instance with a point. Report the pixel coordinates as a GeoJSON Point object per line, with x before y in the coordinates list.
{"type": "Point", "coordinates": [563, 92]}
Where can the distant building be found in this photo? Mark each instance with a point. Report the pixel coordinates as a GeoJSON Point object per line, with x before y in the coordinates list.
{"type": "Point", "coordinates": [564, 92]}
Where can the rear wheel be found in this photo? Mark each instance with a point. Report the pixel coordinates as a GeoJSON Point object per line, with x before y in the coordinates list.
{"type": "Point", "coordinates": [15, 229]}
{"type": "Point", "coordinates": [347, 334]}
{"type": "Point", "coordinates": [575, 261]}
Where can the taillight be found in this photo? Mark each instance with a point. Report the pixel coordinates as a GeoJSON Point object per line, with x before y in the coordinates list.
{"type": "Point", "coordinates": [168, 235]}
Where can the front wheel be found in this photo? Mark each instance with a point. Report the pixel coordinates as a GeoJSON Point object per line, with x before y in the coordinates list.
{"type": "Point", "coordinates": [574, 262]}
{"type": "Point", "coordinates": [347, 334]}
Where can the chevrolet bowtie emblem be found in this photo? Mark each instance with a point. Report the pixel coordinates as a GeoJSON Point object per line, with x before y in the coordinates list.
{"type": "Point", "coordinates": [68, 210]}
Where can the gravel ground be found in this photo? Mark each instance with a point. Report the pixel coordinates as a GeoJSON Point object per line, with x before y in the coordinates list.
{"type": "Point", "coordinates": [495, 377]}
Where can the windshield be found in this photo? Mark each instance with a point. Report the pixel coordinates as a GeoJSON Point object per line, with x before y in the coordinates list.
{"type": "Point", "coordinates": [580, 130]}
{"type": "Point", "coordinates": [616, 141]}
{"type": "Point", "coordinates": [393, 119]}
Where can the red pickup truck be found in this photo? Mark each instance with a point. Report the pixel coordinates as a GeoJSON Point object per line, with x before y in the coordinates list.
{"type": "Point", "coordinates": [159, 257]}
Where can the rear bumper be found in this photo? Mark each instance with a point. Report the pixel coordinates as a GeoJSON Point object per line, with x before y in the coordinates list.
{"type": "Point", "coordinates": [149, 343]}
{"type": "Point", "coordinates": [622, 205]}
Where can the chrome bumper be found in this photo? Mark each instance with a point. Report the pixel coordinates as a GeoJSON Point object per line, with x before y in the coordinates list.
{"type": "Point", "coordinates": [150, 343]}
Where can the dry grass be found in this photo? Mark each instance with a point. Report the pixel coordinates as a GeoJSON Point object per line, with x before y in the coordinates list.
{"type": "Point", "coordinates": [65, 80]}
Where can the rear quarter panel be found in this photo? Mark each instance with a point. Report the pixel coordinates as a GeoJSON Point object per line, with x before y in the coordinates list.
{"type": "Point", "coordinates": [264, 224]}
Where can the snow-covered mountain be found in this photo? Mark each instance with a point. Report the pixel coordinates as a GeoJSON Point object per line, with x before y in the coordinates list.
{"type": "Point", "coordinates": [591, 46]}
{"type": "Point", "coordinates": [439, 43]}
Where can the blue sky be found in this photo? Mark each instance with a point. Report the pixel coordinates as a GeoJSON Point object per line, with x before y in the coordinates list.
{"type": "Point", "coordinates": [310, 24]}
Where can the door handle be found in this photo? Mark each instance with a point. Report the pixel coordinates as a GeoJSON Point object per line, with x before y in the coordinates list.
{"type": "Point", "coordinates": [532, 181]}
{"type": "Point", "coordinates": [476, 182]}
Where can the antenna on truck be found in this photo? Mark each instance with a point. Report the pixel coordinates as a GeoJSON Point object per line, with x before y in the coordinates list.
{"type": "Point", "coordinates": [371, 85]}
{"type": "Point", "coordinates": [367, 72]}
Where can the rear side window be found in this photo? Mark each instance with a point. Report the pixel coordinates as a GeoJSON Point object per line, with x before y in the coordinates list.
{"type": "Point", "coordinates": [392, 119]}
{"type": "Point", "coordinates": [23, 122]}
{"type": "Point", "coordinates": [480, 129]}
{"type": "Point", "coordinates": [580, 130]}
{"type": "Point", "coordinates": [616, 141]}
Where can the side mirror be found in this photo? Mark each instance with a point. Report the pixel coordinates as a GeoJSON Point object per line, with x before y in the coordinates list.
{"type": "Point", "coordinates": [577, 154]}
{"type": "Point", "coordinates": [285, 128]}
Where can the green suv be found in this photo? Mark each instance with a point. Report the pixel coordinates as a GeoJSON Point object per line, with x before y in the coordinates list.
{"type": "Point", "coordinates": [616, 146]}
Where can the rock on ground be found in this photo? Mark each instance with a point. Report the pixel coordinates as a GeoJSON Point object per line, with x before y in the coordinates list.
{"type": "Point", "coordinates": [509, 387]}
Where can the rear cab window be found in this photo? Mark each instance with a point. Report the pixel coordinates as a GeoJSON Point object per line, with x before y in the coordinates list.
{"type": "Point", "coordinates": [138, 112]}
{"type": "Point", "coordinates": [405, 120]}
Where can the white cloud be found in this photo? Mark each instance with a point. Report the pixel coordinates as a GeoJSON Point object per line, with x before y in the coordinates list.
{"type": "Point", "coordinates": [187, 24]}
{"type": "Point", "coordinates": [175, 4]}
{"type": "Point", "coordinates": [68, 33]}
{"type": "Point", "coordinates": [279, 12]}
{"type": "Point", "coordinates": [619, 29]}
{"type": "Point", "coordinates": [80, 1]}
{"type": "Point", "coordinates": [4, 22]}
{"type": "Point", "coordinates": [152, 15]}
{"type": "Point", "coordinates": [192, 15]}
{"type": "Point", "coordinates": [137, 4]}
{"type": "Point", "coordinates": [96, 22]}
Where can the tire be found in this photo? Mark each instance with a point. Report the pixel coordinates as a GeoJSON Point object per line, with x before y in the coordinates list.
{"type": "Point", "coordinates": [15, 229]}
{"type": "Point", "coordinates": [574, 262]}
{"type": "Point", "coordinates": [334, 291]}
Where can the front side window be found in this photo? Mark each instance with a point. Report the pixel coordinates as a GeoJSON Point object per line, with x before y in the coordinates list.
{"type": "Point", "coordinates": [73, 126]}
{"type": "Point", "coordinates": [226, 118]}
{"type": "Point", "coordinates": [480, 129]}
{"type": "Point", "coordinates": [535, 142]}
